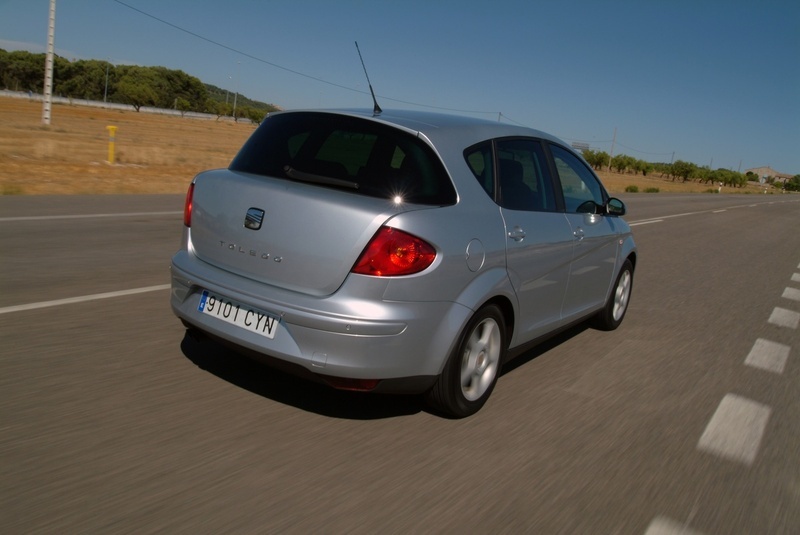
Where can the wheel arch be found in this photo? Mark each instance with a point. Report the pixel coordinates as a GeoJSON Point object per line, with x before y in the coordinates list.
{"type": "Point", "coordinates": [507, 309]}
{"type": "Point", "coordinates": [493, 287]}
{"type": "Point", "coordinates": [632, 256]}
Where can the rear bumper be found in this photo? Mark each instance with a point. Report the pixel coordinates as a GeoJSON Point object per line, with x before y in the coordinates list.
{"type": "Point", "coordinates": [345, 335]}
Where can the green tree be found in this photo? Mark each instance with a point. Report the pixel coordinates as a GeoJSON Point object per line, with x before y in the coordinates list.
{"type": "Point", "coordinates": [644, 167]}
{"type": "Point", "coordinates": [183, 105]}
{"type": "Point", "coordinates": [22, 71]}
{"type": "Point", "coordinates": [137, 87]}
{"type": "Point", "coordinates": [588, 155]}
{"type": "Point", "coordinates": [241, 112]}
{"type": "Point", "coordinates": [683, 170]}
{"type": "Point", "coordinates": [621, 162]}
{"type": "Point", "coordinates": [256, 115]}
{"type": "Point", "coordinates": [175, 84]}
{"type": "Point", "coordinates": [218, 108]}
{"type": "Point", "coordinates": [85, 79]}
{"type": "Point", "coordinates": [596, 159]}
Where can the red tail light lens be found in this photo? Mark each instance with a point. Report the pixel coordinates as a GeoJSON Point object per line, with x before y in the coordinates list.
{"type": "Point", "coordinates": [392, 252]}
{"type": "Point", "coordinates": [187, 206]}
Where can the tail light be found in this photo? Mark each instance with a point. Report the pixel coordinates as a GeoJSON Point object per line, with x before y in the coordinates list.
{"type": "Point", "coordinates": [392, 252]}
{"type": "Point", "coordinates": [187, 206]}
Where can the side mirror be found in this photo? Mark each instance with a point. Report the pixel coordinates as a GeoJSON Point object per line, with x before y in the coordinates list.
{"type": "Point", "coordinates": [615, 207]}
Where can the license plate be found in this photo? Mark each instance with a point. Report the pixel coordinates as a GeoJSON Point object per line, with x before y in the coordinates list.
{"type": "Point", "coordinates": [238, 314]}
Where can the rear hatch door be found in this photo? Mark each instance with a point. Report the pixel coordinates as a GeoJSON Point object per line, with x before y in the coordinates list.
{"type": "Point", "coordinates": [291, 235]}
{"type": "Point", "coordinates": [306, 193]}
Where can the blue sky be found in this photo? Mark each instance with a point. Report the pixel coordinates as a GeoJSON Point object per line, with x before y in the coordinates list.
{"type": "Point", "coordinates": [715, 82]}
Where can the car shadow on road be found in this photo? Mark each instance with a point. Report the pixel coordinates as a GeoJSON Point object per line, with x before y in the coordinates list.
{"type": "Point", "coordinates": [277, 385]}
{"type": "Point", "coordinates": [541, 347]}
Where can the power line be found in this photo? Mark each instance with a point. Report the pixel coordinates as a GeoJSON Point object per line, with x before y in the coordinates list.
{"type": "Point", "coordinates": [231, 49]}
{"type": "Point", "coordinates": [621, 145]}
{"type": "Point", "coordinates": [644, 152]}
{"type": "Point", "coordinates": [500, 115]}
{"type": "Point", "coordinates": [281, 67]}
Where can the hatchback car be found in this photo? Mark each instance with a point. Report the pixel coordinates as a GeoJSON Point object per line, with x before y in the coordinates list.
{"type": "Point", "coordinates": [400, 252]}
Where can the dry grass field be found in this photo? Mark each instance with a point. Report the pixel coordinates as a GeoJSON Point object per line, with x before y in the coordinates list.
{"type": "Point", "coordinates": [154, 153]}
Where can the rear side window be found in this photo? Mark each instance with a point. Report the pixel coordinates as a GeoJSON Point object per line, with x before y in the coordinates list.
{"type": "Point", "coordinates": [348, 153]}
{"type": "Point", "coordinates": [524, 181]}
{"type": "Point", "coordinates": [480, 159]}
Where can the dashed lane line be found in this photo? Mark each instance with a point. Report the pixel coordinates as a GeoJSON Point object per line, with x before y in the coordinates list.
{"type": "Point", "coordinates": [83, 299]}
{"type": "Point", "coordinates": [791, 293]}
{"type": "Point", "coordinates": [769, 356]}
{"type": "Point", "coordinates": [736, 429]}
{"type": "Point", "coordinates": [665, 526]}
{"type": "Point", "coordinates": [784, 318]}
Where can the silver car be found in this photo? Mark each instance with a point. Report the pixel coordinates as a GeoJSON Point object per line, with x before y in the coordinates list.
{"type": "Point", "coordinates": [401, 251]}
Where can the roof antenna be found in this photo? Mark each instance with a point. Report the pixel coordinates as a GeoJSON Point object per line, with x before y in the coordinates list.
{"type": "Point", "coordinates": [375, 109]}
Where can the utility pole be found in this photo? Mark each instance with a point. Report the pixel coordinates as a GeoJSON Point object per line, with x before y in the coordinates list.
{"type": "Point", "coordinates": [48, 64]}
{"type": "Point", "coordinates": [105, 92]}
{"type": "Point", "coordinates": [613, 142]}
{"type": "Point", "coordinates": [236, 94]}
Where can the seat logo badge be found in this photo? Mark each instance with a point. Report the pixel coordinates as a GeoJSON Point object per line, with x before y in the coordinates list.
{"type": "Point", "coordinates": [254, 218]}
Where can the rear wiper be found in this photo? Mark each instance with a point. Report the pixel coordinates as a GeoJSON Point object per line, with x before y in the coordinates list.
{"type": "Point", "coordinates": [294, 174]}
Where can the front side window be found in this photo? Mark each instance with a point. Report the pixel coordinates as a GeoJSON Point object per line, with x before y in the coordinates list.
{"type": "Point", "coordinates": [347, 153]}
{"type": "Point", "coordinates": [581, 188]}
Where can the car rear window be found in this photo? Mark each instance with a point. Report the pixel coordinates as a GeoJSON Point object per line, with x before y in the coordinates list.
{"type": "Point", "coordinates": [349, 153]}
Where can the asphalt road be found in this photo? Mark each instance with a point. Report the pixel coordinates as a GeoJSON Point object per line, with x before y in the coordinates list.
{"type": "Point", "coordinates": [685, 420]}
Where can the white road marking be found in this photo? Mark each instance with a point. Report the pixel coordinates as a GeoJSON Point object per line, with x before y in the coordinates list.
{"type": "Point", "coordinates": [645, 222]}
{"type": "Point", "coordinates": [784, 318]}
{"type": "Point", "coordinates": [665, 526]}
{"type": "Point", "coordinates": [659, 220]}
{"type": "Point", "coordinates": [736, 429]}
{"type": "Point", "coordinates": [770, 356]}
{"type": "Point", "coordinates": [719, 211]}
{"type": "Point", "coordinates": [796, 276]}
{"type": "Point", "coordinates": [82, 299]}
{"type": "Point", "coordinates": [791, 293]}
{"type": "Point", "coordinates": [84, 216]}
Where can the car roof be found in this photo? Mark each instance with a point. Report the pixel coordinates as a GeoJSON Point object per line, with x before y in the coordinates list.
{"type": "Point", "coordinates": [440, 128]}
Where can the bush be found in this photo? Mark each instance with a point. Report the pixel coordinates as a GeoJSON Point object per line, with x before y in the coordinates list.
{"type": "Point", "coordinates": [652, 190]}
{"type": "Point", "coordinates": [632, 189]}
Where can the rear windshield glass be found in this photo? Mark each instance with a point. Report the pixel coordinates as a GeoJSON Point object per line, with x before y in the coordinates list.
{"type": "Point", "coordinates": [346, 153]}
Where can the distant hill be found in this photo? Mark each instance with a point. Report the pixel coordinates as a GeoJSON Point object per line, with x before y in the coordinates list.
{"type": "Point", "coordinates": [124, 84]}
{"type": "Point", "coordinates": [218, 94]}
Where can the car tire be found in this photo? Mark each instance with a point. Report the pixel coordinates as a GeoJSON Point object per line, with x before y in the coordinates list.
{"type": "Point", "coordinates": [612, 314]}
{"type": "Point", "coordinates": [471, 371]}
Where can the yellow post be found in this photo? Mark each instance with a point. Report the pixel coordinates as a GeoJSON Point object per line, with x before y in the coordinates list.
{"type": "Point", "coordinates": [112, 132]}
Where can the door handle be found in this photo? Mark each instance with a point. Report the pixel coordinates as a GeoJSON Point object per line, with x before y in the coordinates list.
{"type": "Point", "coordinates": [578, 233]}
{"type": "Point", "coordinates": [517, 234]}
